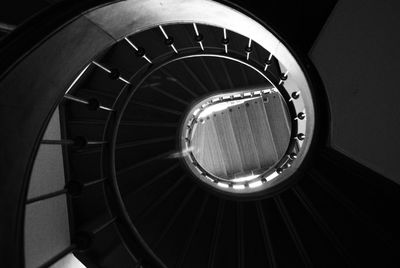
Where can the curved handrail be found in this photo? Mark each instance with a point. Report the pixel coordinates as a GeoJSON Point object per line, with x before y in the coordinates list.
{"type": "Point", "coordinates": [14, 182]}
{"type": "Point", "coordinates": [16, 163]}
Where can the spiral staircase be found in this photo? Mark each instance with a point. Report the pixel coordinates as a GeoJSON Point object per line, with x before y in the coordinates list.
{"type": "Point", "coordinates": [126, 110]}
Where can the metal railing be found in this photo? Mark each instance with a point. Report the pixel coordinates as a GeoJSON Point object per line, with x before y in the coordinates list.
{"type": "Point", "coordinates": [59, 15]}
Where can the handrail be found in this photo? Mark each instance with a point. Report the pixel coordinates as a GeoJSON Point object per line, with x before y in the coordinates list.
{"type": "Point", "coordinates": [15, 174]}
{"type": "Point", "coordinates": [7, 28]}
{"type": "Point", "coordinates": [37, 29]}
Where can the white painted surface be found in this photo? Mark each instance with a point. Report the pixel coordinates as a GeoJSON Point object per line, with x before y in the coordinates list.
{"type": "Point", "coordinates": [46, 222]}
{"type": "Point", "coordinates": [69, 261]}
{"type": "Point", "coordinates": [46, 230]}
{"type": "Point", "coordinates": [357, 55]}
{"type": "Point", "coordinates": [48, 170]}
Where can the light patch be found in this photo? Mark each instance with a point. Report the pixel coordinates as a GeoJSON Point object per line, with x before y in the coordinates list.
{"type": "Point", "coordinates": [238, 187]}
{"type": "Point", "coordinates": [220, 107]}
{"type": "Point", "coordinates": [245, 178]}
{"type": "Point", "coordinates": [182, 153]}
{"type": "Point", "coordinates": [272, 176]}
{"type": "Point", "coordinates": [76, 79]}
{"type": "Point", "coordinates": [255, 184]}
{"type": "Point", "coordinates": [196, 112]}
{"type": "Point", "coordinates": [223, 185]}
{"type": "Point", "coordinates": [69, 261]}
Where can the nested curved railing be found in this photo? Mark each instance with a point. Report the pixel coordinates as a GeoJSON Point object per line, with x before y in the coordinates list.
{"type": "Point", "coordinates": [141, 80]}
{"type": "Point", "coordinates": [123, 98]}
{"type": "Point", "coordinates": [109, 168]}
{"type": "Point", "coordinates": [117, 102]}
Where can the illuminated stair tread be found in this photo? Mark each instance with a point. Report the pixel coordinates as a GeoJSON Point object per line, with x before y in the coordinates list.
{"type": "Point", "coordinates": [235, 139]}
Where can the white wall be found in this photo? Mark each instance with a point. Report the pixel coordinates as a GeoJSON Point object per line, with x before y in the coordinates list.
{"type": "Point", "coordinates": [358, 57]}
{"type": "Point", "coordinates": [46, 221]}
